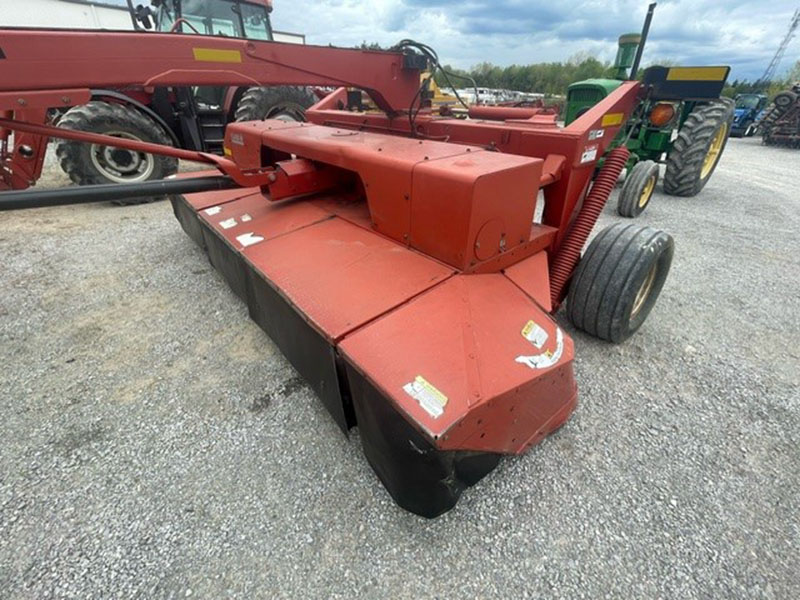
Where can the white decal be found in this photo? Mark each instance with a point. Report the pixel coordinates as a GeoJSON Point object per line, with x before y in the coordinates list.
{"type": "Point", "coordinates": [589, 155]}
{"type": "Point", "coordinates": [546, 359]}
{"type": "Point", "coordinates": [238, 139]}
{"type": "Point", "coordinates": [246, 218]}
{"type": "Point", "coordinates": [228, 223]}
{"type": "Point", "coordinates": [430, 399]}
{"type": "Point", "coordinates": [214, 210]}
{"type": "Point", "coordinates": [596, 134]}
{"type": "Point", "coordinates": [248, 239]}
{"type": "Point", "coordinates": [535, 334]}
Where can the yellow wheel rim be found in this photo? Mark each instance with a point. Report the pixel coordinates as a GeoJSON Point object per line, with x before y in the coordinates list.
{"type": "Point", "coordinates": [647, 191]}
{"type": "Point", "coordinates": [714, 151]}
{"type": "Point", "coordinates": [644, 291]}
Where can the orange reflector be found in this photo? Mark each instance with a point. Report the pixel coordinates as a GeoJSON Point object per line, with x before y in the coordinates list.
{"type": "Point", "coordinates": [662, 114]}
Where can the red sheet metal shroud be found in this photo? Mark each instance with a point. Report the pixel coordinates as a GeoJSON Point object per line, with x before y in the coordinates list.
{"type": "Point", "coordinates": [442, 368]}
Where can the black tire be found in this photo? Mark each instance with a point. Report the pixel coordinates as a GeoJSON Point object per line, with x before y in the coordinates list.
{"type": "Point", "coordinates": [684, 174]}
{"type": "Point", "coordinates": [279, 102]}
{"type": "Point", "coordinates": [618, 280]}
{"type": "Point", "coordinates": [785, 99]}
{"type": "Point", "coordinates": [90, 164]}
{"type": "Point", "coordinates": [638, 189]}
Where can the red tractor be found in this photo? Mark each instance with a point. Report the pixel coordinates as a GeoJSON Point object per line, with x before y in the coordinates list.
{"type": "Point", "coordinates": [192, 117]}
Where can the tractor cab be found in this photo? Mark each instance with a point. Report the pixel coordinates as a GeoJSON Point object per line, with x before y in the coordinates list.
{"type": "Point", "coordinates": [226, 18]}
{"type": "Point", "coordinates": [751, 101]}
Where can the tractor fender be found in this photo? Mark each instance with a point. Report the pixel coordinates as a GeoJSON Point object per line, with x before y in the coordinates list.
{"type": "Point", "coordinates": [100, 94]}
{"type": "Point", "coordinates": [233, 95]}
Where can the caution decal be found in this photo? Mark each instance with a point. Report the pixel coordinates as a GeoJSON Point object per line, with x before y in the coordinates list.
{"type": "Point", "coordinates": [217, 56]}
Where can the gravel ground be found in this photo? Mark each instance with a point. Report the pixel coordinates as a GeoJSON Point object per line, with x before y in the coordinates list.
{"type": "Point", "coordinates": [156, 444]}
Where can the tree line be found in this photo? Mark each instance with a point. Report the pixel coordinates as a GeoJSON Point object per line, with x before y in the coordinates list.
{"type": "Point", "coordinates": [552, 79]}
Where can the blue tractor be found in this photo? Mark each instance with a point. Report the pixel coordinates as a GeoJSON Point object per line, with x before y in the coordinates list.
{"type": "Point", "coordinates": [749, 108]}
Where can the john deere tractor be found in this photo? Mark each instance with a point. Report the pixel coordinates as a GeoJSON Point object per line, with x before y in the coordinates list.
{"type": "Point", "coordinates": [682, 123]}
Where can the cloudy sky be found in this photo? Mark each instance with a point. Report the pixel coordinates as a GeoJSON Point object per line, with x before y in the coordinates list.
{"type": "Point", "coordinates": [743, 34]}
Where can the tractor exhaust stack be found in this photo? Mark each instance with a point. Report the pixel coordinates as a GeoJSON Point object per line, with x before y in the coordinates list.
{"type": "Point", "coordinates": [645, 31]}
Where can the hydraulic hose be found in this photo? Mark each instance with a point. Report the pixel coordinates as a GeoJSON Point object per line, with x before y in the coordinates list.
{"type": "Point", "coordinates": [570, 251]}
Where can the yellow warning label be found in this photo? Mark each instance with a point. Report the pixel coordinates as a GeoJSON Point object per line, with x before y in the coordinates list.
{"type": "Point", "coordinates": [227, 151]}
{"type": "Point", "coordinates": [218, 56]}
{"type": "Point", "coordinates": [697, 74]}
{"type": "Point", "coordinates": [526, 331]}
{"type": "Point", "coordinates": [429, 398]}
{"type": "Point", "coordinates": [535, 334]}
{"type": "Point", "coordinates": [612, 119]}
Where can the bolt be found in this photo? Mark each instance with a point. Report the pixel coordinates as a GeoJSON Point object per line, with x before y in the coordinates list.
{"type": "Point", "coordinates": [65, 99]}
{"type": "Point", "coordinates": [272, 177]}
{"type": "Point", "coordinates": [22, 102]}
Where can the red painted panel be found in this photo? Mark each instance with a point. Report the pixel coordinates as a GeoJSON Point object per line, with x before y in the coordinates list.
{"type": "Point", "coordinates": [470, 208]}
{"type": "Point", "coordinates": [466, 341]}
{"type": "Point", "coordinates": [205, 200]}
{"type": "Point", "coordinates": [341, 276]}
{"type": "Point", "coordinates": [252, 219]}
{"type": "Point", "coordinates": [532, 277]}
{"type": "Point", "coordinates": [350, 207]}
{"type": "Point", "coordinates": [385, 164]}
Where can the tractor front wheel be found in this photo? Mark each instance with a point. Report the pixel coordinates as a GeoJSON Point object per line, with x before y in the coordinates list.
{"type": "Point", "coordinates": [92, 164]}
{"type": "Point", "coordinates": [697, 149]}
{"type": "Point", "coordinates": [638, 189]}
{"type": "Point", "coordinates": [285, 103]}
{"type": "Point", "coordinates": [618, 280]}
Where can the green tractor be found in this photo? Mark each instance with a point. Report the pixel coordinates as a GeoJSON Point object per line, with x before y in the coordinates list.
{"type": "Point", "coordinates": [682, 123]}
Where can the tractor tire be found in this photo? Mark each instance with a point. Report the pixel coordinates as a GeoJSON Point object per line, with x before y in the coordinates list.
{"type": "Point", "coordinates": [91, 164]}
{"type": "Point", "coordinates": [784, 100]}
{"type": "Point", "coordinates": [286, 103]}
{"type": "Point", "coordinates": [618, 280]}
{"type": "Point", "coordinates": [638, 189]}
{"type": "Point", "coordinates": [698, 148]}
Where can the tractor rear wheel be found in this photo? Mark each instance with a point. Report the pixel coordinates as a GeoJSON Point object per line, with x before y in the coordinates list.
{"type": "Point", "coordinates": [286, 103]}
{"type": "Point", "coordinates": [92, 164]}
{"type": "Point", "coordinates": [638, 189]}
{"type": "Point", "coordinates": [785, 99]}
{"type": "Point", "coordinates": [618, 280]}
{"type": "Point", "coordinates": [697, 149]}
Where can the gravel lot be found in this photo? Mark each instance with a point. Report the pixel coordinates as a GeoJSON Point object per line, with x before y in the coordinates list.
{"type": "Point", "coordinates": [156, 444]}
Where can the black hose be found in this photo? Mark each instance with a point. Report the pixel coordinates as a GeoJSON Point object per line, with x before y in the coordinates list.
{"type": "Point", "coordinates": [433, 58]}
{"type": "Point", "coordinates": [113, 191]}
